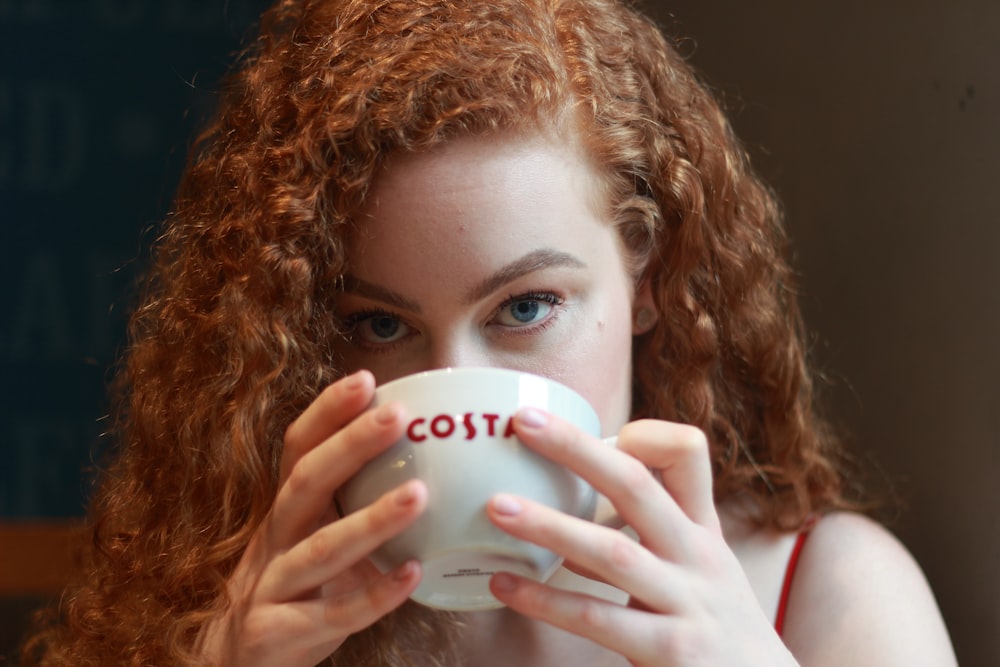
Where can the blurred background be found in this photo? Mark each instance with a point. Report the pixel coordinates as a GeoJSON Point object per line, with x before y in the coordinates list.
{"type": "Point", "coordinates": [877, 121]}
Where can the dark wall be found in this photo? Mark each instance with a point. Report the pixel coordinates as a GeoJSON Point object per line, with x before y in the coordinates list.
{"type": "Point", "coordinates": [98, 100]}
{"type": "Point", "coordinates": [879, 124]}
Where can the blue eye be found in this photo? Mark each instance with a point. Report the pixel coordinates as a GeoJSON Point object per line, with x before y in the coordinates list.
{"type": "Point", "coordinates": [384, 327]}
{"type": "Point", "coordinates": [526, 310]}
{"type": "Point", "coordinates": [377, 328]}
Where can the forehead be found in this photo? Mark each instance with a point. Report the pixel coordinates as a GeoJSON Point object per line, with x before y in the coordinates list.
{"type": "Point", "coordinates": [482, 177]}
{"type": "Point", "coordinates": [500, 162]}
{"type": "Point", "coordinates": [479, 200]}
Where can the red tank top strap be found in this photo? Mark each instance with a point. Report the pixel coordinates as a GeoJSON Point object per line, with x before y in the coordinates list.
{"type": "Point", "coordinates": [786, 585]}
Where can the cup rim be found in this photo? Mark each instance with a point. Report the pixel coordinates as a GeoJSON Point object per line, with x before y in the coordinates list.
{"type": "Point", "coordinates": [469, 370]}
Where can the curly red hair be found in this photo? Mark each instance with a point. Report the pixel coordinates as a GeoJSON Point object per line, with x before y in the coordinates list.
{"type": "Point", "coordinates": [232, 339]}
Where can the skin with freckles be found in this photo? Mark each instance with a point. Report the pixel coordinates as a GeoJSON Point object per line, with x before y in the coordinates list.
{"type": "Point", "coordinates": [492, 252]}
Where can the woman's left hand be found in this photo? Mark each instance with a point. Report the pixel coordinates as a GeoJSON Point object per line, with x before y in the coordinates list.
{"type": "Point", "coordinates": [690, 602]}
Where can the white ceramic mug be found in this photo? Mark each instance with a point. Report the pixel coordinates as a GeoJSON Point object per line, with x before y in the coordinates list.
{"type": "Point", "coordinates": [460, 443]}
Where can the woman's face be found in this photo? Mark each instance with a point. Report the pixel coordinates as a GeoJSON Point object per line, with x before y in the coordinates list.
{"type": "Point", "coordinates": [491, 252]}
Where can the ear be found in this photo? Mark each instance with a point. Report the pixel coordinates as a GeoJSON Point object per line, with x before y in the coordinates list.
{"type": "Point", "coordinates": [644, 313]}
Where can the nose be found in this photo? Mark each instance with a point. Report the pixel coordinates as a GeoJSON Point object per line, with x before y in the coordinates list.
{"type": "Point", "coordinates": [456, 352]}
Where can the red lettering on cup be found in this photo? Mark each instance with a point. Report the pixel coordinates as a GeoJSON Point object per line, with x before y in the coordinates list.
{"type": "Point", "coordinates": [491, 421]}
{"type": "Point", "coordinates": [411, 430]}
{"type": "Point", "coordinates": [444, 426]}
{"type": "Point", "coordinates": [470, 429]}
{"type": "Point", "coordinates": [447, 430]}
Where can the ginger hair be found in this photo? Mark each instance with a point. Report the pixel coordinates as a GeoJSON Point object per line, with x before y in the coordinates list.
{"type": "Point", "coordinates": [232, 338]}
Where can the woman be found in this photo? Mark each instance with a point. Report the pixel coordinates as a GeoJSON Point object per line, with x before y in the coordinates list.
{"type": "Point", "coordinates": [399, 185]}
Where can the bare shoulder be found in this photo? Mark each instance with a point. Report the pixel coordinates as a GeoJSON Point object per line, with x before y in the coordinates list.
{"type": "Point", "coordinates": [859, 598]}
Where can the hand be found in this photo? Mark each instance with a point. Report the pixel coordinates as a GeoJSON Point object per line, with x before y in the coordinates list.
{"type": "Point", "coordinates": [689, 601]}
{"type": "Point", "coordinates": [304, 583]}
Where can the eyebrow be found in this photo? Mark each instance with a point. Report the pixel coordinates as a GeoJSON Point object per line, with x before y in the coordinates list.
{"type": "Point", "coordinates": [536, 260]}
{"type": "Point", "coordinates": [354, 285]}
{"type": "Point", "coordinates": [543, 258]}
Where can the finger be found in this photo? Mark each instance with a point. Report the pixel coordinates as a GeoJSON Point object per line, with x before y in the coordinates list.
{"type": "Point", "coordinates": [611, 556]}
{"type": "Point", "coordinates": [327, 621]}
{"type": "Point", "coordinates": [307, 494]}
{"type": "Point", "coordinates": [604, 512]}
{"type": "Point", "coordinates": [636, 635]}
{"type": "Point", "coordinates": [332, 410]}
{"type": "Point", "coordinates": [334, 548]}
{"type": "Point", "coordinates": [679, 453]}
{"type": "Point", "coordinates": [638, 497]}
{"type": "Point", "coordinates": [359, 609]}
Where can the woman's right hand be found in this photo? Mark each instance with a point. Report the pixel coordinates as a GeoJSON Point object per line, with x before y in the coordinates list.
{"type": "Point", "coordinates": [304, 583]}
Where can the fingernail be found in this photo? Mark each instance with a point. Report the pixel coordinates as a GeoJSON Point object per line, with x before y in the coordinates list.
{"type": "Point", "coordinates": [355, 380]}
{"type": "Point", "coordinates": [506, 505]}
{"type": "Point", "coordinates": [404, 571]}
{"type": "Point", "coordinates": [386, 414]}
{"type": "Point", "coordinates": [405, 496]}
{"type": "Point", "coordinates": [532, 417]}
{"type": "Point", "coordinates": [503, 582]}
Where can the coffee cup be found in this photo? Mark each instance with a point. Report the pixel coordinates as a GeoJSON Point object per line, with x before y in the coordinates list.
{"type": "Point", "coordinates": [460, 442]}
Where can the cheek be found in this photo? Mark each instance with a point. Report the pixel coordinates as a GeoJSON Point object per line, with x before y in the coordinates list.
{"type": "Point", "coordinates": [611, 381]}
{"type": "Point", "coordinates": [598, 364]}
